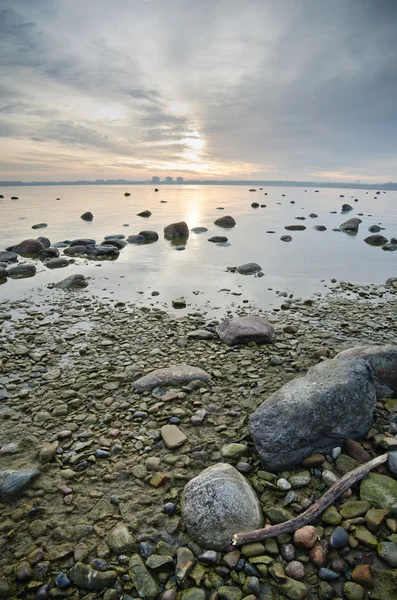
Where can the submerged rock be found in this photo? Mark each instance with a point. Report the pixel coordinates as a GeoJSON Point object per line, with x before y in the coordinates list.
{"type": "Point", "coordinates": [218, 503]}
{"type": "Point", "coordinates": [242, 330]}
{"type": "Point", "coordinates": [351, 225]}
{"type": "Point", "coordinates": [218, 239]}
{"type": "Point", "coordinates": [199, 229]}
{"type": "Point", "coordinates": [249, 269]}
{"type": "Point", "coordinates": [176, 230]}
{"type": "Point", "coordinates": [335, 400]}
{"type": "Point", "coordinates": [227, 221]}
{"type": "Point", "coordinates": [56, 263]}
{"type": "Point", "coordinates": [15, 481]}
{"type": "Point", "coordinates": [75, 281]}
{"type": "Point", "coordinates": [149, 236]}
{"type": "Point", "coordinates": [376, 240]}
{"type": "Point", "coordinates": [170, 376]}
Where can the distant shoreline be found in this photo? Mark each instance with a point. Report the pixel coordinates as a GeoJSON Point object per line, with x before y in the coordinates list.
{"type": "Point", "coordinates": [311, 184]}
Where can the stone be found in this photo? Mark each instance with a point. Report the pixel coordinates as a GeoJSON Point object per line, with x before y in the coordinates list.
{"type": "Point", "coordinates": [179, 303]}
{"type": "Point", "coordinates": [292, 589]}
{"type": "Point", "coordinates": [185, 562]}
{"type": "Point", "coordinates": [383, 363]}
{"type": "Point", "coordinates": [120, 540]}
{"type": "Point", "coordinates": [172, 436]}
{"type": "Point", "coordinates": [339, 538]}
{"type": "Point", "coordinates": [28, 248]}
{"type": "Point", "coordinates": [8, 257]}
{"type": "Point", "coordinates": [193, 593]}
{"type": "Point", "coordinates": [286, 238]}
{"type": "Point", "coordinates": [234, 450]}
{"type": "Point", "coordinates": [145, 213]}
{"type": "Point", "coordinates": [380, 491]}
{"type": "Point", "coordinates": [84, 576]}
{"type": "Point", "coordinates": [385, 586]}
{"type": "Point", "coordinates": [353, 591]}
{"type": "Point", "coordinates": [249, 268]}
{"type": "Point", "coordinates": [331, 516]}
{"type": "Point", "coordinates": [136, 239]}
{"type": "Point", "coordinates": [142, 579]}
{"type": "Point", "coordinates": [387, 551]}
{"type": "Point", "coordinates": [149, 236]}
{"type": "Point", "coordinates": [217, 239]}
{"type": "Point", "coordinates": [15, 481]}
{"type": "Point", "coordinates": [227, 222]}
{"type": "Point", "coordinates": [375, 517]}
{"type": "Point", "coordinates": [48, 452]}
{"type": "Point", "coordinates": [242, 330]}
{"type": "Point", "coordinates": [174, 375]}
{"type": "Point", "coordinates": [356, 451]}
{"type": "Point", "coordinates": [176, 231]}
{"type": "Point", "coordinates": [200, 334]}
{"type": "Point", "coordinates": [295, 569]}
{"type": "Point", "coordinates": [158, 562]}
{"type": "Point", "coordinates": [362, 574]}
{"type": "Point", "coordinates": [376, 240]}
{"type": "Point", "coordinates": [346, 208]}
{"type": "Point", "coordinates": [319, 552]}
{"type": "Point", "coordinates": [353, 509]}
{"type": "Point", "coordinates": [82, 242]}
{"type": "Point", "coordinates": [21, 271]}
{"type": "Point", "coordinates": [295, 227]}
{"type": "Point", "coordinates": [305, 537]}
{"type": "Point", "coordinates": [351, 225]}
{"type": "Point", "coordinates": [87, 216]}
{"type": "Point", "coordinates": [218, 503]}
{"type": "Point", "coordinates": [72, 282]}
{"type": "Point", "coordinates": [199, 229]}
{"type": "Point", "coordinates": [333, 401]}
{"type": "Point", "coordinates": [365, 537]}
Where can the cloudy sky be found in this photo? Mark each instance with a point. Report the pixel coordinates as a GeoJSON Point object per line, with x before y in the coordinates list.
{"type": "Point", "coordinates": [235, 89]}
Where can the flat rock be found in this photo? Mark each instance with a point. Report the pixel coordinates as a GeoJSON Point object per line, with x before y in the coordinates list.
{"type": "Point", "coordinates": [21, 271]}
{"type": "Point", "coordinates": [87, 578]}
{"type": "Point", "coordinates": [172, 436]}
{"type": "Point", "coordinates": [170, 376]}
{"type": "Point", "coordinates": [72, 282]}
{"type": "Point", "coordinates": [242, 330]}
{"type": "Point", "coordinates": [249, 269]}
{"type": "Point", "coordinates": [218, 503]}
{"type": "Point", "coordinates": [227, 222]}
{"type": "Point", "coordinates": [351, 225]}
{"type": "Point", "coordinates": [15, 481]}
{"type": "Point", "coordinates": [143, 581]}
{"type": "Point", "coordinates": [380, 491]}
{"type": "Point", "coordinates": [7, 257]}
{"type": "Point", "coordinates": [314, 413]}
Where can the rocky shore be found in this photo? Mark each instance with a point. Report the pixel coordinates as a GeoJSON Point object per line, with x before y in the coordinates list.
{"type": "Point", "coordinates": [96, 511]}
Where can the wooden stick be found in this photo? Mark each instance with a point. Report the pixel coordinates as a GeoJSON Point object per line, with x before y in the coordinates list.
{"type": "Point", "coordinates": [341, 486]}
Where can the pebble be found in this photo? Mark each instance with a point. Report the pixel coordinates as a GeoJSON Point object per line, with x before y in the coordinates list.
{"type": "Point", "coordinates": [339, 538]}
{"type": "Point", "coordinates": [305, 537]}
{"type": "Point", "coordinates": [328, 574]}
{"type": "Point", "coordinates": [295, 569]}
{"type": "Point", "coordinates": [62, 580]}
{"type": "Point", "coordinates": [283, 484]}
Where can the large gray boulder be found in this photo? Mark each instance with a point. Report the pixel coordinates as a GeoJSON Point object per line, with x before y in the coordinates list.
{"type": "Point", "coordinates": [383, 363]}
{"type": "Point", "coordinates": [28, 248]}
{"type": "Point", "coordinates": [218, 503]}
{"type": "Point", "coordinates": [335, 400]}
{"type": "Point", "coordinates": [242, 330]}
{"type": "Point", "coordinates": [170, 376]}
{"type": "Point", "coordinates": [351, 225]}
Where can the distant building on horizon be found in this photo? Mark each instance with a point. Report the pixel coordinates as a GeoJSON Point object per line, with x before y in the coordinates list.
{"type": "Point", "coordinates": [179, 179]}
{"type": "Point", "coordinates": [169, 180]}
{"type": "Point", "coordinates": [155, 179]}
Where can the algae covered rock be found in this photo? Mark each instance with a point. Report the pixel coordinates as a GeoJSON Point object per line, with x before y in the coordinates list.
{"type": "Point", "coordinates": [86, 577]}
{"type": "Point", "coordinates": [380, 491]}
{"type": "Point", "coordinates": [143, 581]}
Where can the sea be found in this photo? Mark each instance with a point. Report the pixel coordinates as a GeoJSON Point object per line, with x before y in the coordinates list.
{"type": "Point", "coordinates": [199, 273]}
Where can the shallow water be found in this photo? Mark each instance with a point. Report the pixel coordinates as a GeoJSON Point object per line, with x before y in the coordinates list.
{"type": "Point", "coordinates": [302, 267]}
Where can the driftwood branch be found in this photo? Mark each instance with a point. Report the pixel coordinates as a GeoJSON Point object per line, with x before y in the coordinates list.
{"type": "Point", "coordinates": [341, 486]}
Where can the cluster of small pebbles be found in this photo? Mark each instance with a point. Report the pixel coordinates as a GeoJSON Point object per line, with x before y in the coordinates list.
{"type": "Point", "coordinates": [92, 469]}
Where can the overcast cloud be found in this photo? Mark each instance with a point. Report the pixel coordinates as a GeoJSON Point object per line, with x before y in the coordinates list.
{"type": "Point", "coordinates": [236, 89]}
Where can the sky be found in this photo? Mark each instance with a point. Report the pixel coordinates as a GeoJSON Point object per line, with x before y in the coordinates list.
{"type": "Point", "coordinates": [203, 89]}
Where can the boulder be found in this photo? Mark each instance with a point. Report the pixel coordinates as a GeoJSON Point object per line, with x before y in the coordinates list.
{"type": "Point", "coordinates": [351, 225]}
{"type": "Point", "coordinates": [29, 248]}
{"type": "Point", "coordinates": [335, 400]}
{"type": "Point", "coordinates": [48, 253]}
{"type": "Point", "coordinates": [15, 481]}
{"type": "Point", "coordinates": [242, 330]}
{"type": "Point", "coordinates": [376, 240]}
{"type": "Point", "coordinates": [120, 244]}
{"type": "Point", "coordinates": [56, 263]}
{"type": "Point", "coordinates": [249, 269]}
{"type": "Point", "coordinates": [75, 251]}
{"type": "Point", "coordinates": [87, 216]}
{"type": "Point", "coordinates": [383, 363]}
{"type": "Point", "coordinates": [149, 236]}
{"type": "Point", "coordinates": [170, 376]}
{"type": "Point", "coordinates": [102, 252]}
{"type": "Point", "coordinates": [8, 257]}
{"type": "Point", "coordinates": [176, 230]}
{"type": "Point", "coordinates": [21, 271]}
{"type": "Point", "coordinates": [72, 282]}
{"type": "Point", "coordinates": [45, 241]}
{"type": "Point", "coordinates": [227, 222]}
{"type": "Point", "coordinates": [218, 503]}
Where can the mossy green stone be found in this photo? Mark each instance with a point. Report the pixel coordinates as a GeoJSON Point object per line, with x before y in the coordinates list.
{"type": "Point", "coordinates": [254, 549]}
{"type": "Point", "coordinates": [84, 576]}
{"type": "Point", "coordinates": [277, 515]}
{"type": "Point", "coordinates": [380, 491]}
{"type": "Point", "coordinates": [228, 592]}
{"type": "Point", "coordinates": [292, 589]}
{"type": "Point", "coordinates": [141, 578]}
{"type": "Point", "coordinates": [325, 591]}
{"type": "Point", "coordinates": [331, 516]}
{"type": "Point", "coordinates": [300, 479]}
{"type": "Point", "coordinates": [193, 594]}
{"type": "Point", "coordinates": [353, 509]}
{"type": "Point", "coordinates": [345, 463]}
{"type": "Point", "coordinates": [385, 586]}
{"type": "Point", "coordinates": [365, 537]}
{"type": "Point", "coordinates": [353, 591]}
{"type": "Point", "coordinates": [387, 551]}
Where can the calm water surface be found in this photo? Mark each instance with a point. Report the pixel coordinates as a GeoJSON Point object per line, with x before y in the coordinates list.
{"type": "Point", "coordinates": [302, 267]}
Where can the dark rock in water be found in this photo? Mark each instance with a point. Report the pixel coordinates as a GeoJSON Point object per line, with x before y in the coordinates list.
{"type": "Point", "coordinates": [8, 257]}
{"type": "Point", "coordinates": [48, 253]}
{"type": "Point", "coordinates": [374, 229]}
{"type": "Point", "coordinates": [3, 273]}
{"type": "Point", "coordinates": [199, 229]}
{"type": "Point", "coordinates": [117, 236]}
{"type": "Point", "coordinates": [176, 231]}
{"type": "Point", "coordinates": [14, 198]}
{"type": "Point", "coordinates": [29, 248]}
{"type": "Point", "coordinates": [21, 271]}
{"type": "Point", "coordinates": [376, 240]}
{"type": "Point", "coordinates": [252, 190]}
{"type": "Point", "coordinates": [136, 239]}
{"type": "Point", "coordinates": [82, 242]}
{"type": "Point", "coordinates": [295, 227]}
{"type": "Point", "coordinates": [218, 239]}
{"type": "Point", "coordinates": [383, 363]}
{"type": "Point", "coordinates": [15, 481]}
{"type": "Point", "coordinates": [351, 225]}
{"type": "Point", "coordinates": [313, 215]}
{"type": "Point", "coordinates": [87, 216]}
{"type": "Point", "coordinates": [320, 228]}
{"type": "Point", "coordinates": [87, 578]}
{"type": "Point", "coordinates": [335, 400]}
{"type": "Point", "coordinates": [102, 251]}
{"type": "Point", "coordinates": [62, 244]}
{"type": "Point", "coordinates": [144, 213]}
{"type": "Point", "coordinates": [170, 376]}
{"type": "Point", "coordinates": [149, 236]}
{"type": "Point", "coordinates": [45, 241]}
{"type": "Point", "coordinates": [218, 503]}
{"type": "Point", "coordinates": [346, 208]}
{"type": "Point", "coordinates": [286, 238]}
{"type": "Point", "coordinates": [39, 226]}
{"type": "Point", "coordinates": [56, 263]}
{"type": "Point", "coordinates": [255, 205]}
{"type": "Point", "coordinates": [127, 194]}
{"type": "Point", "coordinates": [180, 248]}
{"type": "Point", "coordinates": [1, 196]}
{"type": "Point", "coordinates": [156, 189]}
{"type": "Point", "coordinates": [72, 282]}
{"type": "Point", "coordinates": [75, 251]}
{"type": "Point", "coordinates": [390, 247]}
{"type": "Point", "coordinates": [242, 330]}
{"type": "Point", "coordinates": [249, 269]}
{"type": "Point", "coordinates": [227, 221]}
{"type": "Point", "coordinates": [120, 244]}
